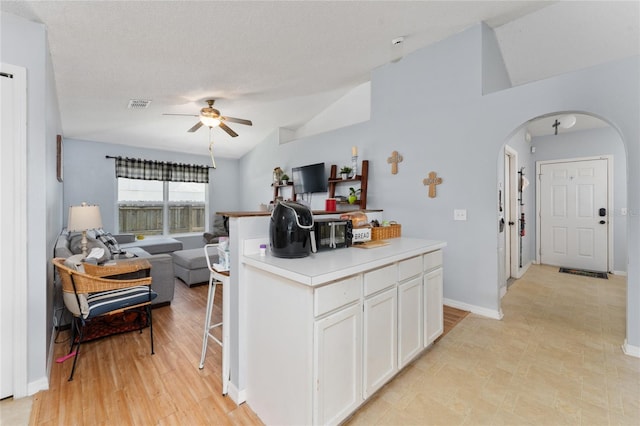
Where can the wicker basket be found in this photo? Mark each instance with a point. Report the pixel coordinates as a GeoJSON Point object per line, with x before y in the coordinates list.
{"type": "Point", "coordinates": [385, 232]}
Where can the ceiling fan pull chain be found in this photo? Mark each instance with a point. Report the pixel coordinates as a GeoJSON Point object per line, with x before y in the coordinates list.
{"type": "Point", "coordinates": [213, 160]}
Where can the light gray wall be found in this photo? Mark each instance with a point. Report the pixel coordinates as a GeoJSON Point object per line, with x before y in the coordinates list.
{"type": "Point", "coordinates": [605, 141]}
{"type": "Point", "coordinates": [90, 177]}
{"type": "Point", "coordinates": [24, 44]}
{"type": "Point", "coordinates": [430, 108]}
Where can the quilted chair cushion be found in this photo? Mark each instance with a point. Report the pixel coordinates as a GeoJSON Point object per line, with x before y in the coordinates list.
{"type": "Point", "coordinates": [106, 301]}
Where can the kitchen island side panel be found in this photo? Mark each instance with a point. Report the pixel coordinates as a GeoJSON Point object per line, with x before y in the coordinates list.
{"type": "Point", "coordinates": [279, 348]}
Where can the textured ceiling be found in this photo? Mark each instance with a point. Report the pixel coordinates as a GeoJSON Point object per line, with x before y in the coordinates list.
{"type": "Point", "coordinates": [279, 63]}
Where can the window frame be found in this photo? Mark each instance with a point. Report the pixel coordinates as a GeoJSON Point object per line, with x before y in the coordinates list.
{"type": "Point", "coordinates": [166, 204]}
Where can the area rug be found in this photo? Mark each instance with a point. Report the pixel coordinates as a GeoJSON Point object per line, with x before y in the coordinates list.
{"type": "Point", "coordinates": [114, 324]}
{"type": "Point", "coordinates": [584, 273]}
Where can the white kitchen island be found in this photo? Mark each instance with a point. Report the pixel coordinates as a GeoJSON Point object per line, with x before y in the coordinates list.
{"type": "Point", "coordinates": [324, 332]}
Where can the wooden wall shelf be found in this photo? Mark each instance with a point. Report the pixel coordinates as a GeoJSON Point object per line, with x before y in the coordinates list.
{"type": "Point", "coordinates": [277, 187]}
{"type": "Point", "coordinates": [363, 178]}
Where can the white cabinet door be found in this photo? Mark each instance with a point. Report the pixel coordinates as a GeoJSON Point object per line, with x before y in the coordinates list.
{"type": "Point", "coordinates": [433, 315]}
{"type": "Point", "coordinates": [337, 365]}
{"type": "Point", "coordinates": [410, 319]}
{"type": "Point", "coordinates": [380, 342]}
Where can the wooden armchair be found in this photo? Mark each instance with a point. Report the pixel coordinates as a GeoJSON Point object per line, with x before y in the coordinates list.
{"type": "Point", "coordinates": [94, 292]}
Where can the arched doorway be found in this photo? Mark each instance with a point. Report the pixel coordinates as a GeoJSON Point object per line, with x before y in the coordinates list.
{"type": "Point", "coordinates": [555, 138]}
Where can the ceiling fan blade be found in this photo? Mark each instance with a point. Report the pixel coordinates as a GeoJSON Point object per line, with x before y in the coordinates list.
{"type": "Point", "coordinates": [186, 115]}
{"type": "Point", "coordinates": [228, 130]}
{"type": "Point", "coordinates": [195, 127]}
{"type": "Point", "coordinates": [237, 120]}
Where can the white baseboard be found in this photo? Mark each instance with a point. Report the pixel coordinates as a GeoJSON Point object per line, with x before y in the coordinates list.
{"type": "Point", "coordinates": [236, 395]}
{"type": "Point", "coordinates": [43, 382]}
{"type": "Point", "coordinates": [523, 270]}
{"type": "Point", "coordinates": [630, 349]}
{"type": "Point", "coordinates": [621, 273]}
{"type": "Point", "coordinates": [37, 385]}
{"type": "Point", "coordinates": [479, 310]}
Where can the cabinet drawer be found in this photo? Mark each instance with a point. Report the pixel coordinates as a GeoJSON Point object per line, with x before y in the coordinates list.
{"type": "Point", "coordinates": [333, 296]}
{"type": "Point", "coordinates": [380, 279]}
{"type": "Point", "coordinates": [432, 260]}
{"type": "Point", "coordinates": [409, 268]}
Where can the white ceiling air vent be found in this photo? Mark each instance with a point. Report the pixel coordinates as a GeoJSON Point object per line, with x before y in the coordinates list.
{"type": "Point", "coordinates": [138, 103]}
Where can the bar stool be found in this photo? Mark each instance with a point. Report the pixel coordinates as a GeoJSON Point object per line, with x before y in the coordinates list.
{"type": "Point", "coordinates": [210, 299]}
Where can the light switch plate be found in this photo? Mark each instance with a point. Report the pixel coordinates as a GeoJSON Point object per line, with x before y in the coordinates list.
{"type": "Point", "coordinates": [460, 214]}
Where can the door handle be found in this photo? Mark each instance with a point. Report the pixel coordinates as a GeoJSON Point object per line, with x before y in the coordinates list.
{"type": "Point", "coordinates": [511, 223]}
{"type": "Point", "coordinates": [602, 222]}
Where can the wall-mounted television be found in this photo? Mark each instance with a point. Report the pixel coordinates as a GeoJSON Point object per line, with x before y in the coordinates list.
{"type": "Point", "coordinates": [309, 179]}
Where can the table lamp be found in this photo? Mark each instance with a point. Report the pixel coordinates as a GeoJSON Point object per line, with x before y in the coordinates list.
{"type": "Point", "coordinates": [82, 218]}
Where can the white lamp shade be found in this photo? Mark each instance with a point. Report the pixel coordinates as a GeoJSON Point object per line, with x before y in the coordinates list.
{"type": "Point", "coordinates": [84, 217]}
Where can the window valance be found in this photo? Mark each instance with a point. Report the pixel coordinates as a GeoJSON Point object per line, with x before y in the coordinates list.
{"type": "Point", "coordinates": [136, 168]}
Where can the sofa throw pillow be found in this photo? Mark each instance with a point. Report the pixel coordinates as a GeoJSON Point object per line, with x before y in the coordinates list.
{"type": "Point", "coordinates": [75, 246]}
{"type": "Point", "coordinates": [75, 262]}
{"type": "Point", "coordinates": [220, 229]}
{"type": "Point", "coordinates": [110, 242]}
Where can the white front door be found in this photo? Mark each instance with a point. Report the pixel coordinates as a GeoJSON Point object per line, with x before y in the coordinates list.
{"type": "Point", "coordinates": [574, 214]}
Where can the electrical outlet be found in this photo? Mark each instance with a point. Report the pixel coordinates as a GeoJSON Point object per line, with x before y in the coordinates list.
{"type": "Point", "coordinates": [460, 214]}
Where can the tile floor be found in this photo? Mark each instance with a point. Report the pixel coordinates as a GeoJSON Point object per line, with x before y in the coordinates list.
{"type": "Point", "coordinates": [554, 359]}
{"type": "Point", "coordinates": [15, 412]}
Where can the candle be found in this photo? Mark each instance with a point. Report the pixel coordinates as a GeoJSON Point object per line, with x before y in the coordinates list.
{"type": "Point", "coordinates": [354, 151]}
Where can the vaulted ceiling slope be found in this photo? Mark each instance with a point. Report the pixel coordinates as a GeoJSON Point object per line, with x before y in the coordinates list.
{"type": "Point", "coordinates": [280, 63]}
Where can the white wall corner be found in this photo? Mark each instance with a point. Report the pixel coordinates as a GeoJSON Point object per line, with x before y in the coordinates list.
{"type": "Point", "coordinates": [503, 290]}
{"type": "Point", "coordinates": [352, 108]}
{"type": "Point", "coordinates": [236, 395]}
{"type": "Point", "coordinates": [285, 135]}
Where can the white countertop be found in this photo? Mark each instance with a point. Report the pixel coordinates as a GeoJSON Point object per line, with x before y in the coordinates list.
{"type": "Point", "coordinates": [330, 265]}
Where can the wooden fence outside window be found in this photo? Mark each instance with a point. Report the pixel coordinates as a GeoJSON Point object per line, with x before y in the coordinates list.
{"type": "Point", "coordinates": [147, 219]}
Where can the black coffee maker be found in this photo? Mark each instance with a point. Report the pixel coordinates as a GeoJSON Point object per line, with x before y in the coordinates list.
{"type": "Point", "coordinates": [291, 231]}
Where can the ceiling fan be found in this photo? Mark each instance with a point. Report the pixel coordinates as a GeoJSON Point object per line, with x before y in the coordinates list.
{"type": "Point", "coordinates": [211, 117]}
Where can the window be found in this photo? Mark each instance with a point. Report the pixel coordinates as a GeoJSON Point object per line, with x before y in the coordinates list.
{"type": "Point", "coordinates": [152, 207]}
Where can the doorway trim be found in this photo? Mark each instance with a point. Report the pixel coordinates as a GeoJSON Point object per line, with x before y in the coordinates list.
{"type": "Point", "coordinates": [610, 215]}
{"type": "Point", "coordinates": [511, 197]}
{"type": "Point", "coordinates": [14, 264]}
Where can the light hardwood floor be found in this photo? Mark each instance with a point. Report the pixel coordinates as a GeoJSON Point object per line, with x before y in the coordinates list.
{"type": "Point", "coordinates": [118, 381]}
{"type": "Point", "coordinates": [555, 358]}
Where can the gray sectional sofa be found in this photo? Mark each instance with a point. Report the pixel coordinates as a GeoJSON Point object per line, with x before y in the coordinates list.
{"type": "Point", "coordinates": [156, 249]}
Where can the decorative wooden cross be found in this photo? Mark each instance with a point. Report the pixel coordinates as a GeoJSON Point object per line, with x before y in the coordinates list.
{"type": "Point", "coordinates": [432, 181]}
{"type": "Point", "coordinates": [394, 160]}
{"type": "Point", "coordinates": [556, 124]}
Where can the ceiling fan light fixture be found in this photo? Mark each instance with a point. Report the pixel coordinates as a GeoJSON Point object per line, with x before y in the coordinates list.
{"type": "Point", "coordinates": [567, 121]}
{"type": "Point", "coordinates": [209, 121]}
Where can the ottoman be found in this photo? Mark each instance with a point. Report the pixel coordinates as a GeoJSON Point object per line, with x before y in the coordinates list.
{"type": "Point", "coordinates": [191, 266]}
